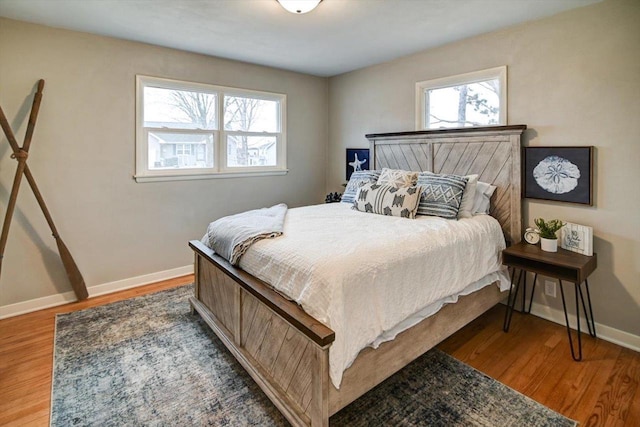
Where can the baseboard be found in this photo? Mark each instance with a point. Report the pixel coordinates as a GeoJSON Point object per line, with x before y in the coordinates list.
{"type": "Point", "coordinates": [36, 304]}
{"type": "Point", "coordinates": [607, 333]}
{"type": "Point", "coordinates": [133, 282]}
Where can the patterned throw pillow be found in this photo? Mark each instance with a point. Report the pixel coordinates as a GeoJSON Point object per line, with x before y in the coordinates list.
{"type": "Point", "coordinates": [468, 197]}
{"type": "Point", "coordinates": [441, 194]}
{"type": "Point", "coordinates": [357, 180]}
{"type": "Point", "coordinates": [388, 200]}
{"type": "Point", "coordinates": [398, 177]}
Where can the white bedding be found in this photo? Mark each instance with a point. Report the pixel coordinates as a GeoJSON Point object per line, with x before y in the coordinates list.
{"type": "Point", "coordinates": [368, 277]}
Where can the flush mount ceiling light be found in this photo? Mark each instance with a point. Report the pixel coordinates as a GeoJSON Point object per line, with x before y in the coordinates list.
{"type": "Point", "coordinates": [299, 6]}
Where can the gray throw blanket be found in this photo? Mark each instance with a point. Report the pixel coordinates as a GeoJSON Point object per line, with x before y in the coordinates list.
{"type": "Point", "coordinates": [231, 236]}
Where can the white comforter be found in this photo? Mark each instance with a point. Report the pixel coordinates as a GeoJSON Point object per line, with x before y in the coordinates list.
{"type": "Point", "coordinates": [368, 277]}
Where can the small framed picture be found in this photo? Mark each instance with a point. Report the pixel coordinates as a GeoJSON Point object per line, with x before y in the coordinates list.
{"type": "Point", "coordinates": [577, 238]}
{"type": "Point", "coordinates": [563, 174]}
{"type": "Point", "coordinates": [357, 160]}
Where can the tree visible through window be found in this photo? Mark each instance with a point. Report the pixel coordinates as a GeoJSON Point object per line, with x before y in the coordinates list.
{"type": "Point", "coordinates": [250, 124]}
{"type": "Point", "coordinates": [469, 100]}
{"type": "Point", "coordinates": [198, 128]}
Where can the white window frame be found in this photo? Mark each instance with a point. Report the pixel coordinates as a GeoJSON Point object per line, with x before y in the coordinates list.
{"type": "Point", "coordinates": [423, 88]}
{"type": "Point", "coordinates": [280, 139]}
{"type": "Point", "coordinates": [219, 169]}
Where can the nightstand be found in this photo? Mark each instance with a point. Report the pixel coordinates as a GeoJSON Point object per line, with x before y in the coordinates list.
{"type": "Point", "coordinates": [562, 265]}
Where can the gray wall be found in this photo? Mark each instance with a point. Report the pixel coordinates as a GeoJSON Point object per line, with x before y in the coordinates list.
{"type": "Point", "coordinates": [83, 158]}
{"type": "Point", "coordinates": [574, 79]}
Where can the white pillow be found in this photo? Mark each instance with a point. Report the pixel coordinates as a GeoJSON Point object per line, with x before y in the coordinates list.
{"type": "Point", "coordinates": [397, 177]}
{"type": "Point", "coordinates": [482, 199]}
{"type": "Point", "coordinates": [468, 197]}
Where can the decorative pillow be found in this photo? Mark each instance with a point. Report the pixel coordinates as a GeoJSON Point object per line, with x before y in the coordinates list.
{"type": "Point", "coordinates": [357, 180]}
{"type": "Point", "coordinates": [441, 194]}
{"type": "Point", "coordinates": [468, 197]}
{"type": "Point", "coordinates": [388, 200]}
{"type": "Point", "coordinates": [482, 199]}
{"type": "Point", "coordinates": [398, 177]}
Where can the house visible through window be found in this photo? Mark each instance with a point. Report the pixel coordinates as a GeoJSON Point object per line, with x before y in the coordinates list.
{"type": "Point", "coordinates": [466, 100]}
{"type": "Point", "coordinates": [190, 130]}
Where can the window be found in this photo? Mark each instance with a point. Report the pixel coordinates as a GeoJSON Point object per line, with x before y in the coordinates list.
{"type": "Point", "coordinates": [465, 100]}
{"type": "Point", "coordinates": [193, 131]}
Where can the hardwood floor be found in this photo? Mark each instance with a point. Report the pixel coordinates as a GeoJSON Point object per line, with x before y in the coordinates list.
{"type": "Point", "coordinates": [26, 356]}
{"type": "Point", "coordinates": [533, 358]}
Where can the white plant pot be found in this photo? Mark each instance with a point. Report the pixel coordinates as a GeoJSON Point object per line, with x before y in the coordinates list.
{"type": "Point", "coordinates": [549, 245]}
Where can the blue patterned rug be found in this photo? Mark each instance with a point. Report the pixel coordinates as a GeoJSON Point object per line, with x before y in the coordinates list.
{"type": "Point", "coordinates": [148, 362]}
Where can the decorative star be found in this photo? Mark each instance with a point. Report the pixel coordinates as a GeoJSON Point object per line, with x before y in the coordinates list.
{"type": "Point", "coordinates": [357, 164]}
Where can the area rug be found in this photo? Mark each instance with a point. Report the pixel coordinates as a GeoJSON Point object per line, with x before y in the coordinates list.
{"type": "Point", "coordinates": [148, 362]}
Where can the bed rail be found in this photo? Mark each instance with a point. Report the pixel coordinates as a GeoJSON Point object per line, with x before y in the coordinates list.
{"type": "Point", "coordinates": [288, 310]}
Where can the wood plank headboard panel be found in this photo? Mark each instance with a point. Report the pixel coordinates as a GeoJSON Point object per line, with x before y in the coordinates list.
{"type": "Point", "coordinates": [491, 152]}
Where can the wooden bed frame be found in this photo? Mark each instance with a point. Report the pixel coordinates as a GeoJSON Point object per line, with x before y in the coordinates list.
{"type": "Point", "coordinates": [286, 351]}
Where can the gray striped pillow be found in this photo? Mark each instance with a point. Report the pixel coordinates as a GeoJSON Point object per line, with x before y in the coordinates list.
{"type": "Point", "coordinates": [357, 180]}
{"type": "Point", "coordinates": [441, 194]}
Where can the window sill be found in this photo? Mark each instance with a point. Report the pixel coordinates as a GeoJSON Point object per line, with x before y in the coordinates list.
{"type": "Point", "coordinates": [186, 177]}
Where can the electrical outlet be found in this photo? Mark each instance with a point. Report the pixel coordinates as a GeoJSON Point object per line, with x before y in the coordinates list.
{"type": "Point", "coordinates": [550, 288]}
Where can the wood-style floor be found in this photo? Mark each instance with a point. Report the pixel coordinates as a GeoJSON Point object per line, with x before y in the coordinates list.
{"type": "Point", "coordinates": [533, 358]}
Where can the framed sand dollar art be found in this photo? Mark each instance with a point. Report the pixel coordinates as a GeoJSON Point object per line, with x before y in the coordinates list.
{"type": "Point", "coordinates": [563, 174]}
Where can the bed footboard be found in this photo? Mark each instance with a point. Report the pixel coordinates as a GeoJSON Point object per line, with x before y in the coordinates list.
{"type": "Point", "coordinates": [285, 350]}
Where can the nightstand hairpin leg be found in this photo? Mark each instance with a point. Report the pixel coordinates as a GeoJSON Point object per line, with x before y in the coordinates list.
{"type": "Point", "coordinates": [533, 289]}
{"type": "Point", "coordinates": [588, 314]}
{"type": "Point", "coordinates": [507, 314]}
{"type": "Point", "coordinates": [591, 325]}
{"type": "Point", "coordinates": [512, 298]}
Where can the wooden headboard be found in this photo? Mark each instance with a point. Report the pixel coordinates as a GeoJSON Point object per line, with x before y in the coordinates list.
{"type": "Point", "coordinates": [491, 152]}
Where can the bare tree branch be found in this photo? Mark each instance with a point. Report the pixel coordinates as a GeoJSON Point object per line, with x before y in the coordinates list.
{"type": "Point", "coordinates": [440, 120]}
{"type": "Point", "coordinates": [240, 114]}
{"type": "Point", "coordinates": [199, 107]}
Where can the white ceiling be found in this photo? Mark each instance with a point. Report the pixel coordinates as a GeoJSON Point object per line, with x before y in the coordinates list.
{"type": "Point", "coordinates": [337, 37]}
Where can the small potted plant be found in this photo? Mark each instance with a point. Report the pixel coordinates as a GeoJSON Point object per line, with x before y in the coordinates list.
{"type": "Point", "coordinates": [548, 229]}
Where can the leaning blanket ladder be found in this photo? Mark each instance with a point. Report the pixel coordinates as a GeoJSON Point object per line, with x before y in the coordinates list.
{"type": "Point", "coordinates": [21, 154]}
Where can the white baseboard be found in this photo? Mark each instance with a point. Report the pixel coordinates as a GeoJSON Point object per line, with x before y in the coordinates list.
{"type": "Point", "coordinates": [120, 285]}
{"type": "Point", "coordinates": [29, 306]}
{"type": "Point", "coordinates": [23, 307]}
{"type": "Point", "coordinates": [607, 333]}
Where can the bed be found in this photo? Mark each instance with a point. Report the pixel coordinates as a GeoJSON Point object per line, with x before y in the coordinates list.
{"type": "Point", "coordinates": [286, 350]}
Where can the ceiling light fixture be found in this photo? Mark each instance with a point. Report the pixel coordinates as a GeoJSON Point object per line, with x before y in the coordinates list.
{"type": "Point", "coordinates": [299, 6]}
